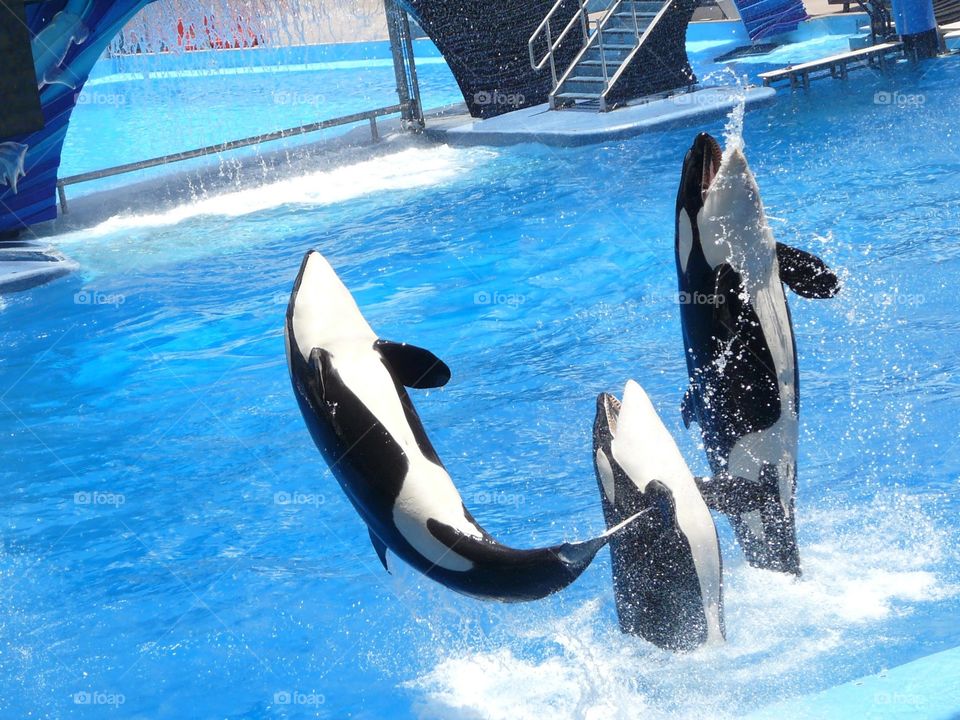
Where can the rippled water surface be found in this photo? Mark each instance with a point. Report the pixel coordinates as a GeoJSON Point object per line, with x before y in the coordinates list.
{"type": "Point", "coordinates": [152, 443]}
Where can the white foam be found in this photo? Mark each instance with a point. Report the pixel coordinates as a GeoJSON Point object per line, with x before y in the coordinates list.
{"type": "Point", "coordinates": [184, 232]}
{"type": "Point", "coordinates": [409, 168]}
{"type": "Point", "coordinates": [864, 567]}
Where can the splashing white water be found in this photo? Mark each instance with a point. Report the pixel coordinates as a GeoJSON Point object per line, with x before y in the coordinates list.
{"type": "Point", "coordinates": [204, 226]}
{"type": "Point", "coordinates": [862, 567]}
{"type": "Point", "coordinates": [410, 168]}
{"type": "Point", "coordinates": [737, 84]}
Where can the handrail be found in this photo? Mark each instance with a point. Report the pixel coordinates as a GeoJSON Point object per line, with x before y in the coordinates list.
{"type": "Point", "coordinates": [370, 115]}
{"type": "Point", "coordinates": [597, 38]}
{"type": "Point", "coordinates": [596, 41]}
{"type": "Point", "coordinates": [552, 45]}
{"type": "Point", "coordinates": [626, 62]}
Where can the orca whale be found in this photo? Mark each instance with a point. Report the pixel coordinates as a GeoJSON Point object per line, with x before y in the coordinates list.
{"type": "Point", "coordinates": [350, 386]}
{"type": "Point", "coordinates": [740, 349]}
{"type": "Point", "coordinates": [667, 569]}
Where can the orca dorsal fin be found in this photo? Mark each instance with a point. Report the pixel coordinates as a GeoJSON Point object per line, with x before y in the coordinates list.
{"type": "Point", "coordinates": [413, 366]}
{"type": "Point", "coordinates": [381, 548]}
{"type": "Point", "coordinates": [806, 274]}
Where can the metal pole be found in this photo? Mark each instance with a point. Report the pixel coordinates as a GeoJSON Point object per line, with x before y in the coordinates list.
{"type": "Point", "coordinates": [62, 192]}
{"type": "Point", "coordinates": [396, 50]}
{"type": "Point", "coordinates": [416, 111]}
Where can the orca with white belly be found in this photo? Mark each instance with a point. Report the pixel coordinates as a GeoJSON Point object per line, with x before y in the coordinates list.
{"type": "Point", "coordinates": [350, 386]}
{"type": "Point", "coordinates": [740, 348]}
{"type": "Point", "coordinates": [667, 570]}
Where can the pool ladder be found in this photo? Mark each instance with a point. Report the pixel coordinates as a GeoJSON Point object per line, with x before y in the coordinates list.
{"type": "Point", "coordinates": [608, 47]}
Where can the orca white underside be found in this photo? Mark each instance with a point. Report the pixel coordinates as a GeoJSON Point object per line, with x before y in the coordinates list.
{"type": "Point", "coordinates": [734, 230]}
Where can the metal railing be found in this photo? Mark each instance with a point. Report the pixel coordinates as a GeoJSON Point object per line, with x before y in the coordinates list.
{"type": "Point", "coordinates": [640, 37]}
{"type": "Point", "coordinates": [553, 45]}
{"type": "Point", "coordinates": [368, 115]}
{"type": "Point", "coordinates": [596, 42]}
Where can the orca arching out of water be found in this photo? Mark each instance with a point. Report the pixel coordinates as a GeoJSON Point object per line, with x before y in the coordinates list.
{"type": "Point", "coordinates": [350, 388]}
{"type": "Point", "coordinates": [740, 348]}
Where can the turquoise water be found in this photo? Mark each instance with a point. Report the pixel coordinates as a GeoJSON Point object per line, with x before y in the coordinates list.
{"type": "Point", "coordinates": [122, 118]}
{"type": "Point", "coordinates": [175, 547]}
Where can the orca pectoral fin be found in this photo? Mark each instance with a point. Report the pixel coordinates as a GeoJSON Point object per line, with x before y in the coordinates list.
{"type": "Point", "coordinates": [414, 367]}
{"type": "Point", "coordinates": [319, 360]}
{"type": "Point", "coordinates": [381, 549]}
{"type": "Point", "coordinates": [806, 274]}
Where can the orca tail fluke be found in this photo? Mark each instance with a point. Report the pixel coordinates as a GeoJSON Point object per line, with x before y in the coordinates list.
{"type": "Point", "coordinates": [509, 574]}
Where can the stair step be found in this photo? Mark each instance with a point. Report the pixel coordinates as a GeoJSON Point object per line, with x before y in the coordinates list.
{"type": "Point", "coordinates": [641, 5]}
{"type": "Point", "coordinates": [579, 96]}
{"type": "Point", "coordinates": [585, 79]}
{"type": "Point", "coordinates": [629, 15]}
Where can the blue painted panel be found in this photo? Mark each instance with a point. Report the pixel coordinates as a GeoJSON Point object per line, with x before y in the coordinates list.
{"type": "Point", "coordinates": [764, 18]}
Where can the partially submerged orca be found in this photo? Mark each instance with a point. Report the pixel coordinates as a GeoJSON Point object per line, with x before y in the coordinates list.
{"type": "Point", "coordinates": [667, 570]}
{"type": "Point", "coordinates": [350, 387]}
{"type": "Point", "coordinates": [740, 348]}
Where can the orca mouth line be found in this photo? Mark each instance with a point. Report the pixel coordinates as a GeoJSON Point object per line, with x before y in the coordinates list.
{"type": "Point", "coordinates": [611, 406]}
{"type": "Point", "coordinates": [712, 159]}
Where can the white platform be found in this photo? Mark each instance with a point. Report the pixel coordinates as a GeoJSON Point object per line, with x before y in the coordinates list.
{"type": "Point", "coordinates": [26, 264]}
{"type": "Point", "coordinates": [567, 127]}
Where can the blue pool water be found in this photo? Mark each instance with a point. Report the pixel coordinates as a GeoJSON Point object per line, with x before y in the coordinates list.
{"type": "Point", "coordinates": [125, 117]}
{"type": "Point", "coordinates": [152, 553]}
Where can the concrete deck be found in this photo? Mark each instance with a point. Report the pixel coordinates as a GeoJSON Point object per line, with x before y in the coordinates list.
{"type": "Point", "coordinates": [584, 127]}
{"type": "Point", "coordinates": [26, 264]}
{"type": "Point", "coordinates": [926, 688]}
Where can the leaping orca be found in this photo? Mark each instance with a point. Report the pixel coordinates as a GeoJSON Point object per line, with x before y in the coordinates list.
{"type": "Point", "coordinates": [667, 570]}
{"type": "Point", "coordinates": [350, 387]}
{"type": "Point", "coordinates": [740, 348]}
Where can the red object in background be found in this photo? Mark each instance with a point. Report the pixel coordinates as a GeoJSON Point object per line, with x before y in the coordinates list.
{"type": "Point", "coordinates": [186, 40]}
{"type": "Point", "coordinates": [242, 37]}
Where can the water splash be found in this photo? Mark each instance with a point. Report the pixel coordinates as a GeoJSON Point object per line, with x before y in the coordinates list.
{"type": "Point", "coordinates": [737, 85]}
{"type": "Point", "coordinates": [863, 567]}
